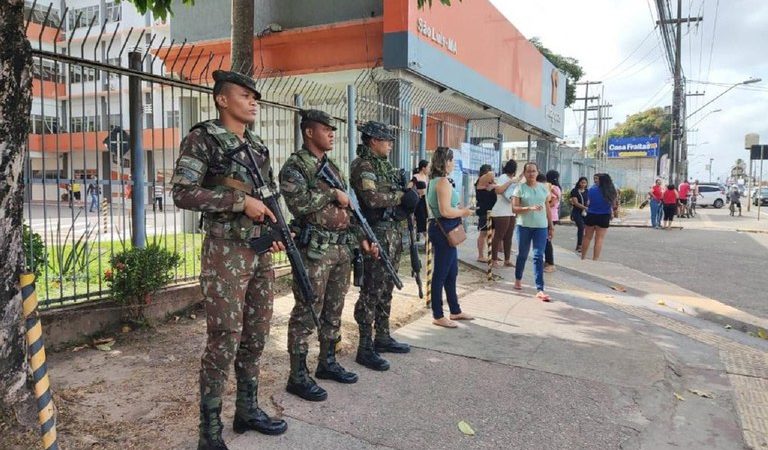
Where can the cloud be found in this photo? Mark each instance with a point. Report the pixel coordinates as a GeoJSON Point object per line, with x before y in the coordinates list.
{"type": "Point", "coordinates": [602, 33]}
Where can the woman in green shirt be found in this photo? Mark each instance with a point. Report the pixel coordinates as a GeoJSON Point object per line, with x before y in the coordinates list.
{"type": "Point", "coordinates": [534, 226]}
{"type": "Point", "coordinates": [443, 202]}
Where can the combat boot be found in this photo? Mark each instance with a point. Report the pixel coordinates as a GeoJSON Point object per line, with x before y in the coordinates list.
{"type": "Point", "coordinates": [210, 424]}
{"type": "Point", "coordinates": [300, 383]}
{"type": "Point", "coordinates": [366, 354]}
{"type": "Point", "coordinates": [384, 343]}
{"type": "Point", "coordinates": [248, 415]}
{"type": "Point", "coordinates": [327, 366]}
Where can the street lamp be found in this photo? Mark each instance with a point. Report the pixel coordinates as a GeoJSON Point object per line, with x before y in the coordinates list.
{"type": "Point", "coordinates": [750, 81]}
{"type": "Point", "coordinates": [710, 169]}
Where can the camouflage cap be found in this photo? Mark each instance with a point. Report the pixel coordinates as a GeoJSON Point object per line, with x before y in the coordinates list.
{"type": "Point", "coordinates": [222, 76]}
{"type": "Point", "coordinates": [377, 130]}
{"type": "Point", "coordinates": [315, 115]}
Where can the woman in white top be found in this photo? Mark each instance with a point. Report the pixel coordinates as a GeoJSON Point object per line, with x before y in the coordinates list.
{"type": "Point", "coordinates": [502, 215]}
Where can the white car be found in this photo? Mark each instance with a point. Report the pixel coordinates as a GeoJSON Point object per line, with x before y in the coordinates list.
{"type": "Point", "coordinates": [710, 195]}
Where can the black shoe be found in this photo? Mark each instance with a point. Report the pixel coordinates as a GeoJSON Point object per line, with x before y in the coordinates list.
{"type": "Point", "coordinates": [388, 345]}
{"type": "Point", "coordinates": [248, 415]}
{"type": "Point", "coordinates": [328, 368]}
{"type": "Point", "coordinates": [300, 383]}
{"type": "Point", "coordinates": [210, 425]}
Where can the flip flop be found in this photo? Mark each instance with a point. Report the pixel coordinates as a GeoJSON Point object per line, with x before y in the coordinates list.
{"type": "Point", "coordinates": [508, 264]}
{"type": "Point", "coordinates": [543, 297]}
{"type": "Point", "coordinates": [518, 287]}
{"type": "Point", "coordinates": [445, 323]}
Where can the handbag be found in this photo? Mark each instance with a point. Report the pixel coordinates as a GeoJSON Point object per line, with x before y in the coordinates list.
{"type": "Point", "coordinates": [454, 237]}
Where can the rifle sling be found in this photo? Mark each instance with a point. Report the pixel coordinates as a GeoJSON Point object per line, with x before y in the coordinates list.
{"type": "Point", "coordinates": [213, 181]}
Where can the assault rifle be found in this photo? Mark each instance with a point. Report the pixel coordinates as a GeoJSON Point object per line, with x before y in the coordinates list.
{"type": "Point", "coordinates": [326, 174]}
{"type": "Point", "coordinates": [415, 261]}
{"type": "Point", "coordinates": [279, 230]}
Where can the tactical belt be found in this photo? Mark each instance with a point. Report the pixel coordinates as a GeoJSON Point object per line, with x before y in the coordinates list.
{"type": "Point", "coordinates": [229, 182]}
{"type": "Point", "coordinates": [332, 237]}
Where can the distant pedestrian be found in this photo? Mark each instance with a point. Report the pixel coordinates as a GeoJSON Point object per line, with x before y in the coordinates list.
{"type": "Point", "coordinates": [534, 226]}
{"type": "Point", "coordinates": [443, 202]}
{"type": "Point", "coordinates": [159, 194]}
{"type": "Point", "coordinates": [683, 192]}
{"type": "Point", "coordinates": [603, 202]}
{"type": "Point", "coordinates": [555, 193]}
{"type": "Point", "coordinates": [93, 191]}
{"type": "Point", "coordinates": [655, 195]}
{"type": "Point", "coordinates": [502, 215]}
{"type": "Point", "coordinates": [578, 198]}
{"type": "Point", "coordinates": [485, 198]}
{"type": "Point", "coordinates": [76, 192]}
{"type": "Point", "coordinates": [735, 197]}
{"type": "Point", "coordinates": [670, 199]}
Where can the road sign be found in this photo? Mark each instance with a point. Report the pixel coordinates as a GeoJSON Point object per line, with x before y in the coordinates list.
{"type": "Point", "coordinates": [758, 152]}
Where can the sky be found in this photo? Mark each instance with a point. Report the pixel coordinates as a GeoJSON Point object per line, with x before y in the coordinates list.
{"type": "Point", "coordinates": [616, 42]}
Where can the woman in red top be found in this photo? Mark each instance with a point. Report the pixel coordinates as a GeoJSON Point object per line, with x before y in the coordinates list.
{"type": "Point", "coordinates": [670, 199]}
{"type": "Point", "coordinates": [655, 195]}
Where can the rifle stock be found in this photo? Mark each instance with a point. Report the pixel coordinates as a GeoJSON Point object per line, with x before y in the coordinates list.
{"type": "Point", "coordinates": [326, 174]}
{"type": "Point", "coordinates": [280, 230]}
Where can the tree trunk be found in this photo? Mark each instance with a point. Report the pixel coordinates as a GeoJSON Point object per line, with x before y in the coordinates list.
{"type": "Point", "coordinates": [16, 407]}
{"type": "Point", "coordinates": [242, 36]}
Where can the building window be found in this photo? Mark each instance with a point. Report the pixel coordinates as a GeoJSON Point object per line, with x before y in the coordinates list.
{"type": "Point", "coordinates": [37, 15]}
{"type": "Point", "coordinates": [47, 70]}
{"type": "Point", "coordinates": [172, 119]}
{"type": "Point", "coordinates": [113, 12]}
{"type": "Point", "coordinates": [43, 124]}
{"type": "Point", "coordinates": [79, 74]}
{"type": "Point", "coordinates": [83, 124]}
{"type": "Point", "coordinates": [82, 17]}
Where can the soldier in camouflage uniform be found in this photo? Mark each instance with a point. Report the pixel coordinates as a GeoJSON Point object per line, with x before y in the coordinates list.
{"type": "Point", "coordinates": [236, 282]}
{"type": "Point", "coordinates": [326, 234]}
{"type": "Point", "coordinates": [385, 203]}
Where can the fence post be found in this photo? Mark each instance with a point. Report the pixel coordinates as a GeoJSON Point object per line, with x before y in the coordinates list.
{"type": "Point", "coordinates": [351, 127]}
{"type": "Point", "coordinates": [135, 110]}
{"type": "Point", "coordinates": [298, 101]}
{"type": "Point", "coordinates": [423, 138]}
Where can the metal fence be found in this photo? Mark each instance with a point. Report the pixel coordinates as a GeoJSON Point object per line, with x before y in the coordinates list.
{"type": "Point", "coordinates": [101, 93]}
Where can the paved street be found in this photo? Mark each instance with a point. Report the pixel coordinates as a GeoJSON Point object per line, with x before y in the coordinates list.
{"type": "Point", "coordinates": [725, 265]}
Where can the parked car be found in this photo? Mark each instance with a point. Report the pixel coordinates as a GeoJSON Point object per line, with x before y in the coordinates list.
{"type": "Point", "coordinates": [760, 196]}
{"type": "Point", "coordinates": [711, 194]}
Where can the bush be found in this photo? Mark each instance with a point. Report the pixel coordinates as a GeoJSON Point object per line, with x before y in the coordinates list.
{"type": "Point", "coordinates": [137, 274]}
{"type": "Point", "coordinates": [34, 248]}
{"type": "Point", "coordinates": [627, 196]}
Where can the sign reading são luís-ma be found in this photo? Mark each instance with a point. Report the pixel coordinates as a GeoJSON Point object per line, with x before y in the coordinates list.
{"type": "Point", "coordinates": [633, 147]}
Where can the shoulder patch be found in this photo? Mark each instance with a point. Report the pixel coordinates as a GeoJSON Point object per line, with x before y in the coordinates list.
{"type": "Point", "coordinates": [188, 162]}
{"type": "Point", "coordinates": [368, 185]}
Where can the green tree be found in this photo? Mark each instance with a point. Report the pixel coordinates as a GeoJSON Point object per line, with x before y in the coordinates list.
{"type": "Point", "coordinates": [571, 67]}
{"type": "Point", "coordinates": [651, 122]}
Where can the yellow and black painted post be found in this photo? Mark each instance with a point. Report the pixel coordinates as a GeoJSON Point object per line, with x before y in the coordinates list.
{"type": "Point", "coordinates": [428, 246]}
{"type": "Point", "coordinates": [45, 409]}
{"type": "Point", "coordinates": [489, 244]}
{"type": "Point", "coordinates": [104, 214]}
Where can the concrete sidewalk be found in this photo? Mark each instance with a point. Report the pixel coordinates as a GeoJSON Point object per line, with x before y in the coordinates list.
{"type": "Point", "coordinates": [590, 370]}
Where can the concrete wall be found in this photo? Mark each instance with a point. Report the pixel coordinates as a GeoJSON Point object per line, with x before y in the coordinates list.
{"type": "Point", "coordinates": [185, 24]}
{"type": "Point", "coordinates": [638, 173]}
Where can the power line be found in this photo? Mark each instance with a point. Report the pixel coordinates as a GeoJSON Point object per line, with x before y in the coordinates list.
{"type": "Point", "coordinates": [714, 35]}
{"type": "Point", "coordinates": [630, 54]}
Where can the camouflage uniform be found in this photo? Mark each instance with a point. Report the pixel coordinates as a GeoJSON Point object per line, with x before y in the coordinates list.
{"type": "Point", "coordinates": [328, 258]}
{"type": "Point", "coordinates": [237, 284]}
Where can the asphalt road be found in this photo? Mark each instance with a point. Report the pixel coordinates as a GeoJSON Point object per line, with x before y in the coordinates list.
{"type": "Point", "coordinates": [723, 265]}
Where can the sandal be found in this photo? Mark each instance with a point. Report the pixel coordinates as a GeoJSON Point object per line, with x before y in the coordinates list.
{"type": "Point", "coordinates": [482, 260]}
{"type": "Point", "coordinates": [445, 322]}
{"type": "Point", "coordinates": [518, 285]}
{"type": "Point", "coordinates": [461, 316]}
{"type": "Point", "coordinates": [543, 297]}
{"type": "Point", "coordinates": [549, 268]}
{"type": "Point", "coordinates": [508, 264]}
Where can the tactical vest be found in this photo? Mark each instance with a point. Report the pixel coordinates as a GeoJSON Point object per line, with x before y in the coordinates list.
{"type": "Point", "coordinates": [386, 182]}
{"type": "Point", "coordinates": [308, 165]}
{"type": "Point", "coordinates": [224, 174]}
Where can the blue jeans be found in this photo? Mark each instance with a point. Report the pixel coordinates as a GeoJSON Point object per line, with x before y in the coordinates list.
{"type": "Point", "coordinates": [538, 237]}
{"type": "Point", "coordinates": [445, 268]}
{"type": "Point", "coordinates": [656, 210]}
{"type": "Point", "coordinates": [94, 203]}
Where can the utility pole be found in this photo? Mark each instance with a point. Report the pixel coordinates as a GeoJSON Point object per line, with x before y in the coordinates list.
{"type": "Point", "coordinates": [586, 98]}
{"type": "Point", "coordinates": [678, 99]}
{"type": "Point", "coordinates": [710, 169]}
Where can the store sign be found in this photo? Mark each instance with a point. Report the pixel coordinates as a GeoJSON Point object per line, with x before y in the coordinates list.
{"type": "Point", "coordinates": [633, 147]}
{"type": "Point", "coordinates": [436, 36]}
